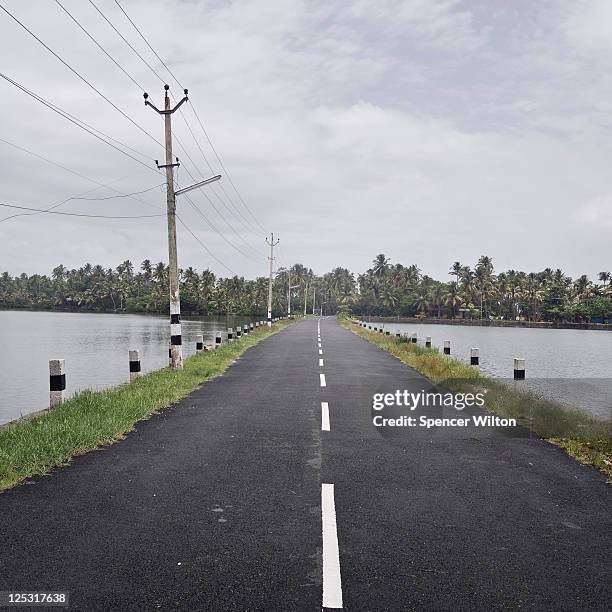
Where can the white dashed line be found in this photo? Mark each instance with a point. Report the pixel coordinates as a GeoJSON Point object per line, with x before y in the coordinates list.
{"type": "Point", "coordinates": [332, 584]}
{"type": "Point", "coordinates": [324, 416]}
{"type": "Point", "coordinates": [320, 351]}
{"type": "Point", "coordinates": [319, 345]}
{"type": "Point", "coordinates": [322, 378]}
{"type": "Point", "coordinates": [320, 363]}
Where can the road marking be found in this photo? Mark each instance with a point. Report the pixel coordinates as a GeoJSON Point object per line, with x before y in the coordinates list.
{"type": "Point", "coordinates": [320, 363]}
{"type": "Point", "coordinates": [324, 416]}
{"type": "Point", "coordinates": [322, 378]}
{"type": "Point", "coordinates": [320, 351]}
{"type": "Point", "coordinates": [332, 584]}
{"type": "Point", "coordinates": [319, 345]}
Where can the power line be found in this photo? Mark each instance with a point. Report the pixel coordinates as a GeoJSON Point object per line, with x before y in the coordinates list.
{"type": "Point", "coordinates": [127, 42]}
{"type": "Point", "coordinates": [190, 130]}
{"type": "Point", "coordinates": [227, 174]}
{"type": "Point", "coordinates": [204, 246]}
{"type": "Point", "coordinates": [73, 119]}
{"type": "Point", "coordinates": [80, 76]}
{"type": "Point", "coordinates": [127, 74]}
{"type": "Point", "coordinates": [178, 141]}
{"type": "Point", "coordinates": [58, 212]}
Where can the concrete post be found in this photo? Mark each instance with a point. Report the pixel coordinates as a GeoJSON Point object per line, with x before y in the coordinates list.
{"type": "Point", "coordinates": [447, 347]}
{"type": "Point", "coordinates": [238, 332]}
{"type": "Point", "coordinates": [519, 368]}
{"type": "Point", "coordinates": [57, 382]}
{"type": "Point", "coordinates": [474, 356]}
{"type": "Point", "coordinates": [413, 338]}
{"type": "Point", "coordinates": [134, 357]}
{"type": "Point", "coordinates": [398, 334]}
{"type": "Point", "coordinates": [199, 343]}
{"type": "Point", "coordinates": [251, 327]}
{"type": "Point", "coordinates": [230, 334]}
{"type": "Point", "coordinates": [428, 342]}
{"type": "Point", "coordinates": [218, 340]}
{"type": "Point", "coordinates": [245, 329]}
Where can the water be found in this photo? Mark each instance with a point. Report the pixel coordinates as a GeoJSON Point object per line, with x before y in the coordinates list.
{"type": "Point", "coordinates": [95, 347]}
{"type": "Point", "coordinates": [573, 366]}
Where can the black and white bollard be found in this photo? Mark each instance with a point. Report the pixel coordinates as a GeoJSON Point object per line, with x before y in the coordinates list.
{"type": "Point", "coordinates": [251, 327]}
{"type": "Point", "coordinates": [218, 340]}
{"type": "Point", "coordinates": [427, 341]}
{"type": "Point", "coordinates": [369, 327]}
{"type": "Point", "coordinates": [245, 329]}
{"type": "Point", "coordinates": [134, 357]}
{"type": "Point", "coordinates": [375, 328]}
{"type": "Point", "coordinates": [199, 343]}
{"type": "Point", "coordinates": [256, 324]}
{"type": "Point", "coordinates": [447, 347]}
{"type": "Point", "coordinates": [387, 333]}
{"type": "Point", "coordinates": [230, 334]}
{"type": "Point", "coordinates": [398, 334]}
{"type": "Point", "coordinates": [413, 338]}
{"type": "Point", "coordinates": [57, 382]}
{"type": "Point", "coordinates": [519, 368]}
{"type": "Point", "coordinates": [170, 353]}
{"type": "Point", "coordinates": [474, 356]}
{"type": "Point", "coordinates": [238, 332]}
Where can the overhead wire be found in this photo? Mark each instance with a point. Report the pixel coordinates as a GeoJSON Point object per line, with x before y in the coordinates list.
{"type": "Point", "coordinates": [196, 116]}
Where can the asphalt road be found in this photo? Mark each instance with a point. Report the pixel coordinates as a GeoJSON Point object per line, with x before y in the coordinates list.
{"type": "Point", "coordinates": [245, 496]}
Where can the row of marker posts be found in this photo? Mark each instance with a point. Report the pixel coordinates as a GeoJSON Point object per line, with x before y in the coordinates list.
{"type": "Point", "coordinates": [57, 367]}
{"type": "Point", "coordinates": [519, 362]}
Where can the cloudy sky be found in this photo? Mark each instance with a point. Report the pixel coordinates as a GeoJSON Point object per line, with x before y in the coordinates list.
{"type": "Point", "coordinates": [428, 130]}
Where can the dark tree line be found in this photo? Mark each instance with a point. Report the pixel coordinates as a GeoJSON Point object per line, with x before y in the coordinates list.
{"type": "Point", "coordinates": [385, 289]}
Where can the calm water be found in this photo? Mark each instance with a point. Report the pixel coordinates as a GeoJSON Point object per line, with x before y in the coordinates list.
{"type": "Point", "coordinates": [569, 365]}
{"type": "Point", "coordinates": [95, 347]}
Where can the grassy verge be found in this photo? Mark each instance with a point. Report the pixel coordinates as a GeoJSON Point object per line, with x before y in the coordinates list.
{"type": "Point", "coordinates": [582, 436]}
{"type": "Point", "coordinates": [96, 418]}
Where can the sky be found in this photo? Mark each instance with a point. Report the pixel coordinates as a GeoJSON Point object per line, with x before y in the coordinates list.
{"type": "Point", "coordinates": [432, 131]}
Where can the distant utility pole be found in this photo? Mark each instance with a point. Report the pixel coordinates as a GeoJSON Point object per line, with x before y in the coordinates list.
{"type": "Point", "coordinates": [271, 258]}
{"type": "Point", "coordinates": [176, 341]}
{"type": "Point", "coordinates": [314, 289]}
{"type": "Point", "coordinates": [305, 296]}
{"type": "Point", "coordinates": [289, 288]}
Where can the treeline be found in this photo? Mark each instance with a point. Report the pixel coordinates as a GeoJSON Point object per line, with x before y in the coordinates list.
{"type": "Point", "coordinates": [383, 290]}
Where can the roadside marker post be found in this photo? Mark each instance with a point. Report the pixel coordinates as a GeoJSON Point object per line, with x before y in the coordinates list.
{"type": "Point", "coordinates": [134, 358]}
{"type": "Point", "coordinates": [474, 356]}
{"type": "Point", "coordinates": [218, 340]}
{"type": "Point", "coordinates": [199, 343]}
{"type": "Point", "coordinates": [57, 382]}
{"type": "Point", "coordinates": [428, 342]}
{"type": "Point", "coordinates": [447, 347]}
{"type": "Point", "coordinates": [519, 368]}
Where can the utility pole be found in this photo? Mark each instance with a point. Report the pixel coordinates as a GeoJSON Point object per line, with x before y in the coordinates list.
{"type": "Point", "coordinates": [176, 341]}
{"type": "Point", "coordinates": [271, 258]}
{"type": "Point", "coordinates": [305, 296]}
{"type": "Point", "coordinates": [290, 287]}
{"type": "Point", "coordinates": [314, 289]}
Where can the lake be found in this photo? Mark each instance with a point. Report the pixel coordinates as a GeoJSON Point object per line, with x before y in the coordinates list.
{"type": "Point", "coordinates": [573, 366]}
{"type": "Point", "coordinates": [94, 345]}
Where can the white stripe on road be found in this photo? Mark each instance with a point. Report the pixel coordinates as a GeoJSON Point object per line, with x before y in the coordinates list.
{"type": "Point", "coordinates": [320, 351]}
{"type": "Point", "coordinates": [322, 377]}
{"type": "Point", "coordinates": [319, 345]}
{"type": "Point", "coordinates": [324, 416]}
{"type": "Point", "coordinates": [332, 584]}
{"type": "Point", "coordinates": [320, 363]}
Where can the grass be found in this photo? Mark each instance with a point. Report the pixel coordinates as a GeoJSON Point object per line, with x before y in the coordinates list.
{"type": "Point", "coordinates": [93, 419]}
{"type": "Point", "coordinates": [582, 436]}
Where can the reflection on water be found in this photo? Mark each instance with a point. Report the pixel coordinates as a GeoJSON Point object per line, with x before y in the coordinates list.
{"type": "Point", "coordinates": [95, 347]}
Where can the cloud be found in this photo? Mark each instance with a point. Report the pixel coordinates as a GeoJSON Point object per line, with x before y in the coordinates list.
{"type": "Point", "coordinates": [429, 130]}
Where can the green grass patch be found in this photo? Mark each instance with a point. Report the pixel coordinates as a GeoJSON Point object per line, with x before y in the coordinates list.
{"type": "Point", "coordinates": [96, 418]}
{"type": "Point", "coordinates": [584, 437]}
